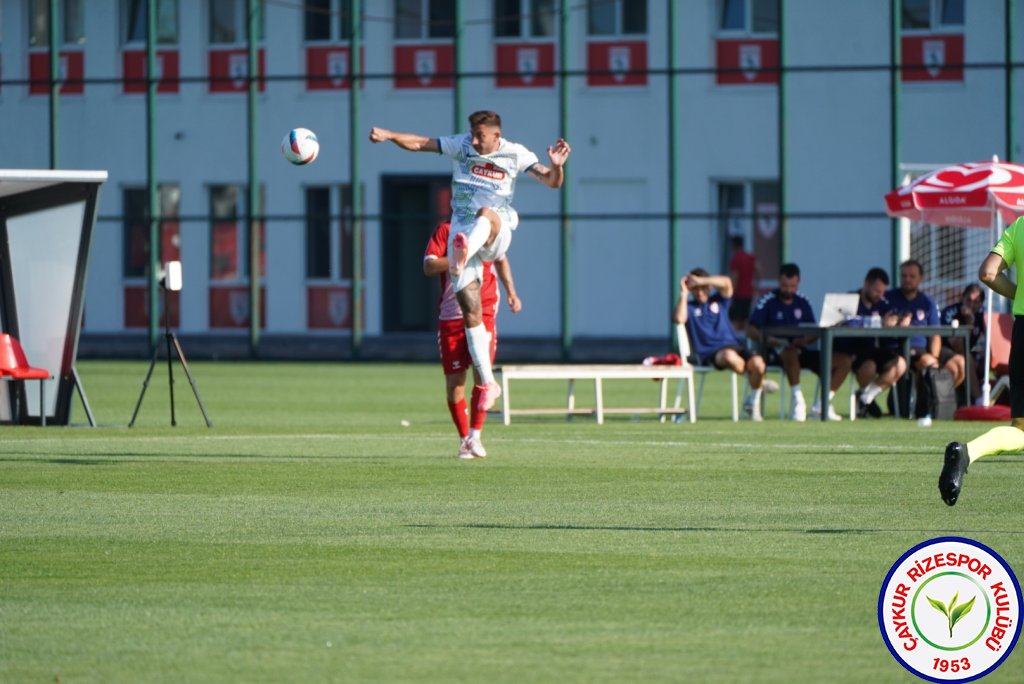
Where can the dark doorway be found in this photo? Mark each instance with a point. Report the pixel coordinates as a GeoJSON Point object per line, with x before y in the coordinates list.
{"type": "Point", "coordinates": [411, 206]}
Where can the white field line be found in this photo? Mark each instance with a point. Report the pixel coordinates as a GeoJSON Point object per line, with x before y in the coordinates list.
{"type": "Point", "coordinates": [413, 437]}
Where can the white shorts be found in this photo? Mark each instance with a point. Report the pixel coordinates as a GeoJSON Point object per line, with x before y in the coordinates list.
{"type": "Point", "coordinates": [474, 269]}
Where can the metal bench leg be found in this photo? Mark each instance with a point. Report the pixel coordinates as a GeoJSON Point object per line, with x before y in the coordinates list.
{"type": "Point", "coordinates": [599, 401]}
{"type": "Point", "coordinates": [570, 402]}
{"type": "Point", "coordinates": [506, 410]}
{"type": "Point", "coordinates": [735, 398]}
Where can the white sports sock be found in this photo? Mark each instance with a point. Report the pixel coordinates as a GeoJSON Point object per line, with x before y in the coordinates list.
{"type": "Point", "coordinates": [474, 434]}
{"type": "Point", "coordinates": [868, 394]}
{"type": "Point", "coordinates": [480, 349]}
{"type": "Point", "coordinates": [755, 396]}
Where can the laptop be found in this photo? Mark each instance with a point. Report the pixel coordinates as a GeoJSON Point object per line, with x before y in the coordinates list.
{"type": "Point", "coordinates": [837, 307]}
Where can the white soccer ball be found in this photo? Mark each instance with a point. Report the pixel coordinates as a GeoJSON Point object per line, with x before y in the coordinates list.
{"type": "Point", "coordinates": [300, 146]}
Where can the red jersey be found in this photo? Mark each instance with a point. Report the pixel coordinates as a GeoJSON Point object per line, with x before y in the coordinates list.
{"type": "Point", "coordinates": [743, 265]}
{"type": "Point", "coordinates": [448, 307]}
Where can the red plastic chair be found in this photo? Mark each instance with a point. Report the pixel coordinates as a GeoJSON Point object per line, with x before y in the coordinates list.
{"type": "Point", "coordinates": [1002, 331]}
{"type": "Point", "coordinates": [14, 366]}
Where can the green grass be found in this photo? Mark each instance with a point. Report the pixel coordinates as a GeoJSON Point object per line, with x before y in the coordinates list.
{"type": "Point", "coordinates": [310, 537]}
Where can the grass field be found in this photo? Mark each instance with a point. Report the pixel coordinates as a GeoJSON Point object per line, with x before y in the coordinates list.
{"type": "Point", "coordinates": [309, 537]}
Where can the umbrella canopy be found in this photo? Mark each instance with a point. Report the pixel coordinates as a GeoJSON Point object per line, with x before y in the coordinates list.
{"type": "Point", "coordinates": [962, 195]}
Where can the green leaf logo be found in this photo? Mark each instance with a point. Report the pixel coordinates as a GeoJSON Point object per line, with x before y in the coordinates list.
{"type": "Point", "coordinates": [954, 612]}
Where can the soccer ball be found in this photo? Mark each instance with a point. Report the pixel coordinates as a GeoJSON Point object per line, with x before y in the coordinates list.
{"type": "Point", "coordinates": [300, 146]}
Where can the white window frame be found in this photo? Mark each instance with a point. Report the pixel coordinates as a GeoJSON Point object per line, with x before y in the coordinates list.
{"type": "Point", "coordinates": [424, 23]}
{"type": "Point", "coordinates": [527, 10]}
{"type": "Point", "coordinates": [723, 228]}
{"type": "Point", "coordinates": [935, 24]}
{"type": "Point", "coordinates": [748, 20]}
{"type": "Point", "coordinates": [126, 14]}
{"type": "Point", "coordinates": [33, 5]}
{"type": "Point", "coordinates": [619, 31]}
{"type": "Point", "coordinates": [336, 8]}
{"type": "Point", "coordinates": [337, 219]}
{"type": "Point", "coordinates": [169, 197]}
{"type": "Point", "coordinates": [239, 21]}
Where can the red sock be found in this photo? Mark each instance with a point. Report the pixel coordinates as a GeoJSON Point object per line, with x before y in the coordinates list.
{"type": "Point", "coordinates": [458, 412]}
{"type": "Point", "coordinates": [476, 418]}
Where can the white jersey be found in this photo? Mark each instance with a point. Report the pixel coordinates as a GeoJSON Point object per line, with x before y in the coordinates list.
{"type": "Point", "coordinates": [484, 180]}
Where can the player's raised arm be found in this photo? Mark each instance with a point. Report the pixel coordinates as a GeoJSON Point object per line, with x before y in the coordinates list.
{"type": "Point", "coordinates": [407, 141]}
{"type": "Point", "coordinates": [554, 176]}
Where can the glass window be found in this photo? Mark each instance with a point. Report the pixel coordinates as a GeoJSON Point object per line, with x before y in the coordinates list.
{"type": "Point", "coordinates": [222, 21]}
{"type": "Point", "coordinates": [318, 20]}
{"type": "Point", "coordinates": [136, 14]}
{"type": "Point", "coordinates": [229, 21]}
{"type": "Point", "coordinates": [542, 18]}
{"type": "Point", "coordinates": [766, 16]}
{"type": "Point", "coordinates": [733, 17]}
{"type": "Point", "coordinates": [442, 18]}
{"type": "Point", "coordinates": [347, 225]}
{"type": "Point", "coordinates": [135, 215]}
{"type": "Point", "coordinates": [424, 18]}
{"type": "Point", "coordinates": [324, 16]}
{"type": "Point", "coordinates": [515, 18]}
{"type": "Point", "coordinates": [318, 232]}
{"type": "Point", "coordinates": [328, 235]}
{"type": "Point", "coordinates": [229, 239]}
{"type": "Point", "coordinates": [601, 17]}
{"type": "Point", "coordinates": [72, 22]}
{"type": "Point", "coordinates": [615, 17]}
{"type": "Point", "coordinates": [751, 16]}
{"type": "Point", "coordinates": [507, 19]}
{"type": "Point", "coordinates": [408, 18]}
{"type": "Point", "coordinates": [346, 19]}
{"type": "Point", "coordinates": [952, 12]}
{"type": "Point", "coordinates": [224, 233]}
{"type": "Point", "coordinates": [916, 14]}
{"type": "Point", "coordinates": [634, 16]}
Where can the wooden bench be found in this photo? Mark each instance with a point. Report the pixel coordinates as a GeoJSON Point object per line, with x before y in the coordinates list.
{"type": "Point", "coordinates": [597, 373]}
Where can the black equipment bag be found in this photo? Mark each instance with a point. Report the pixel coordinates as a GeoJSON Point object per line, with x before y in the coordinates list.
{"type": "Point", "coordinates": [936, 394]}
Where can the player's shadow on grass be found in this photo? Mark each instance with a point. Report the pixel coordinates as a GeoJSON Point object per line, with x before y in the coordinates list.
{"type": "Point", "coordinates": [67, 461]}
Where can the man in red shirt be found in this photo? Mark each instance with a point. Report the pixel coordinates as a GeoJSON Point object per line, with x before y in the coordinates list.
{"type": "Point", "coordinates": [451, 336]}
{"type": "Point", "coordinates": [743, 271]}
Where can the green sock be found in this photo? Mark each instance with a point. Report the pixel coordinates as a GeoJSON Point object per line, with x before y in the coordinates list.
{"type": "Point", "coordinates": [999, 440]}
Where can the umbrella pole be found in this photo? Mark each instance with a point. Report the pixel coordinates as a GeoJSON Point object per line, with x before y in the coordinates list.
{"type": "Point", "coordinates": [986, 385]}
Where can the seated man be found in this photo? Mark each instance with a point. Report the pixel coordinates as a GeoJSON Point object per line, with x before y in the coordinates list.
{"type": "Point", "coordinates": [785, 306]}
{"type": "Point", "coordinates": [712, 338]}
{"type": "Point", "coordinates": [915, 308]}
{"type": "Point", "coordinates": [877, 364]}
{"type": "Point", "coordinates": [967, 312]}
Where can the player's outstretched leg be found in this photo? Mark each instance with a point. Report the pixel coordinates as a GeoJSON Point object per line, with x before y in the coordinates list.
{"type": "Point", "coordinates": [954, 467]}
{"type": "Point", "coordinates": [468, 241]}
{"type": "Point", "coordinates": [999, 440]}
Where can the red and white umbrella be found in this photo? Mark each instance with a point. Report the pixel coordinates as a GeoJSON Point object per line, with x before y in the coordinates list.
{"type": "Point", "coordinates": [988, 194]}
{"type": "Point", "coordinates": [966, 195]}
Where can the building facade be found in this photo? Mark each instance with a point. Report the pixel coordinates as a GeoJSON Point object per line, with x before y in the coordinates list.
{"type": "Point", "coordinates": [735, 164]}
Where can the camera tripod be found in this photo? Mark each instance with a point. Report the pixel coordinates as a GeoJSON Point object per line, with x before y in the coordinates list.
{"type": "Point", "coordinates": [172, 343]}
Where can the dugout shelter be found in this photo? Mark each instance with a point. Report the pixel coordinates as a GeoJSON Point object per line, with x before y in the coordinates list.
{"type": "Point", "coordinates": [46, 226]}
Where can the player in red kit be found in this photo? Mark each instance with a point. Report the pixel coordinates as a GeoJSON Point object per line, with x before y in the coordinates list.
{"type": "Point", "coordinates": [451, 336]}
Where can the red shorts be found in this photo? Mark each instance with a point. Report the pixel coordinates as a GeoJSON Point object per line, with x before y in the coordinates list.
{"type": "Point", "coordinates": [451, 340]}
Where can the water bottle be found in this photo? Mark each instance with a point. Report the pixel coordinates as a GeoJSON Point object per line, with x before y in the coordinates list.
{"type": "Point", "coordinates": [876, 320]}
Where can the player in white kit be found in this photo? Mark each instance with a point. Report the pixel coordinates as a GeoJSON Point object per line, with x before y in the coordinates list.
{"type": "Point", "coordinates": [484, 171]}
